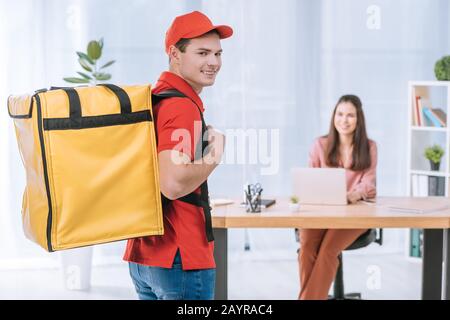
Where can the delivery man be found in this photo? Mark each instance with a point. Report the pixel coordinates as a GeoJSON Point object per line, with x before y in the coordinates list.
{"type": "Point", "coordinates": [180, 264]}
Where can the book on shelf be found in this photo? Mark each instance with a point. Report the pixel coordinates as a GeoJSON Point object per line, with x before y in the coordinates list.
{"type": "Point", "coordinates": [415, 185]}
{"type": "Point", "coordinates": [425, 115]}
{"type": "Point", "coordinates": [436, 186]}
{"type": "Point", "coordinates": [416, 242]}
{"type": "Point", "coordinates": [414, 112]}
{"type": "Point", "coordinates": [423, 185]}
{"type": "Point", "coordinates": [417, 111]}
{"type": "Point", "coordinates": [433, 120]}
{"type": "Point", "coordinates": [440, 115]}
{"type": "Point", "coordinates": [419, 185]}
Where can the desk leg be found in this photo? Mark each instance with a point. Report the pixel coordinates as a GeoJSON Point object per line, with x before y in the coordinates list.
{"type": "Point", "coordinates": [446, 273]}
{"type": "Point", "coordinates": [221, 257]}
{"type": "Point", "coordinates": [432, 264]}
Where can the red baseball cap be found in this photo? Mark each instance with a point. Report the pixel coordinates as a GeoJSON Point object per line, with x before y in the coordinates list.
{"type": "Point", "coordinates": [193, 25]}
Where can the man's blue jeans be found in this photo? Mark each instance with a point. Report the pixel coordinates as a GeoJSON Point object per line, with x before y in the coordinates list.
{"type": "Point", "coordinates": [155, 283]}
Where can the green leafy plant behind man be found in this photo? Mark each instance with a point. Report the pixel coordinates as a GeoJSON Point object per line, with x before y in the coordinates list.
{"type": "Point", "coordinates": [89, 62]}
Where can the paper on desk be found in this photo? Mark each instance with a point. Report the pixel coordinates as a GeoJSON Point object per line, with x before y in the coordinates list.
{"type": "Point", "coordinates": [417, 205]}
{"type": "Point", "coordinates": [369, 202]}
{"type": "Point", "coordinates": [419, 210]}
{"type": "Point", "coordinates": [220, 202]}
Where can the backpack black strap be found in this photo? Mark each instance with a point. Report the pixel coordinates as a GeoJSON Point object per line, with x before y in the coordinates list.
{"type": "Point", "coordinates": [202, 199]}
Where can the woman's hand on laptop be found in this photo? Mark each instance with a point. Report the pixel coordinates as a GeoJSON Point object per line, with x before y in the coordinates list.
{"type": "Point", "coordinates": [353, 197]}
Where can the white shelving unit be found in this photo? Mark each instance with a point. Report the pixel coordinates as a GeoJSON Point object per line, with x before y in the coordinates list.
{"type": "Point", "coordinates": [435, 94]}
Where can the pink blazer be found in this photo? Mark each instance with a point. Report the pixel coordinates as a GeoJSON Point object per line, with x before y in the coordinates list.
{"type": "Point", "coordinates": [361, 181]}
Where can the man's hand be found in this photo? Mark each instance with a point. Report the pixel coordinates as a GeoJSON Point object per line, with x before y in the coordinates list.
{"type": "Point", "coordinates": [216, 146]}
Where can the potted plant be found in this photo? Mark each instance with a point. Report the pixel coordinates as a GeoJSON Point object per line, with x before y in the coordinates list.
{"type": "Point", "coordinates": [88, 61]}
{"type": "Point", "coordinates": [442, 69]}
{"type": "Point", "coordinates": [76, 263]}
{"type": "Point", "coordinates": [294, 206]}
{"type": "Point", "coordinates": [434, 154]}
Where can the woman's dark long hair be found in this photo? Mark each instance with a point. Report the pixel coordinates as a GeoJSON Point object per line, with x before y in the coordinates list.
{"type": "Point", "coordinates": [361, 148]}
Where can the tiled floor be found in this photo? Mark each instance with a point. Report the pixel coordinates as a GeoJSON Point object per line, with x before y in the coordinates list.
{"type": "Point", "coordinates": [252, 275]}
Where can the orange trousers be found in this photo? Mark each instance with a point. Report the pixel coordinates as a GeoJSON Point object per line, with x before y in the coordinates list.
{"type": "Point", "coordinates": [318, 259]}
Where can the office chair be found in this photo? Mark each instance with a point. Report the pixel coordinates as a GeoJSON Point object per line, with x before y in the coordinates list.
{"type": "Point", "coordinates": [371, 235]}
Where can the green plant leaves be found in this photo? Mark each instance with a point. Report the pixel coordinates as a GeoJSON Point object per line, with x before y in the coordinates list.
{"type": "Point", "coordinates": [85, 57]}
{"type": "Point", "coordinates": [434, 153]}
{"type": "Point", "coordinates": [88, 61]}
{"type": "Point", "coordinates": [94, 50]}
{"type": "Point", "coordinates": [85, 76]}
{"type": "Point", "coordinates": [84, 64]}
{"type": "Point", "coordinates": [76, 80]}
{"type": "Point", "coordinates": [442, 69]}
{"type": "Point", "coordinates": [107, 64]}
{"type": "Point", "coordinates": [101, 76]}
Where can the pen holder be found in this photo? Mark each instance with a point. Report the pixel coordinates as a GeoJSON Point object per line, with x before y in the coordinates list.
{"type": "Point", "coordinates": [253, 204]}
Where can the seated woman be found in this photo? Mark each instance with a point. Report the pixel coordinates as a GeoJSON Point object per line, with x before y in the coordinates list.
{"type": "Point", "coordinates": [345, 146]}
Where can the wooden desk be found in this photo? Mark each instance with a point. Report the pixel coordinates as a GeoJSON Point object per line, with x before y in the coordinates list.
{"type": "Point", "coordinates": [436, 251]}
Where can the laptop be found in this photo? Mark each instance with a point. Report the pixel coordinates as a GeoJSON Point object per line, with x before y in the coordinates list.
{"type": "Point", "coordinates": [320, 186]}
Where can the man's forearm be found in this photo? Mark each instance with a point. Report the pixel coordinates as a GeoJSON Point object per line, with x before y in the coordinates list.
{"type": "Point", "coordinates": [194, 174]}
{"type": "Point", "coordinates": [180, 177]}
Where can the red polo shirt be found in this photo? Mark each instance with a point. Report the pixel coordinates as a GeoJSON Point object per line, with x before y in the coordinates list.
{"type": "Point", "coordinates": [184, 224]}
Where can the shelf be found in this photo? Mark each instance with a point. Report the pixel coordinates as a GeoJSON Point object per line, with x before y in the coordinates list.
{"type": "Point", "coordinates": [414, 259]}
{"type": "Point", "coordinates": [429, 173]}
{"type": "Point", "coordinates": [433, 129]}
{"type": "Point", "coordinates": [433, 95]}
{"type": "Point", "coordinates": [429, 83]}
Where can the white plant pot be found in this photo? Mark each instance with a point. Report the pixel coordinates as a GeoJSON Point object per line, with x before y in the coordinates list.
{"type": "Point", "coordinates": [294, 207]}
{"type": "Point", "coordinates": [76, 267]}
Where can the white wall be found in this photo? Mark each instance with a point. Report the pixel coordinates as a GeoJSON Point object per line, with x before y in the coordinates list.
{"type": "Point", "coordinates": [285, 67]}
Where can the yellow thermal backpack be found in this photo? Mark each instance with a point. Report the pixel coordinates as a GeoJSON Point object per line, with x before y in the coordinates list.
{"type": "Point", "coordinates": [91, 165]}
